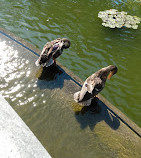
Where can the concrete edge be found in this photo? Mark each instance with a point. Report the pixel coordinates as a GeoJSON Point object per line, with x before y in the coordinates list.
{"type": "Point", "coordinates": [17, 140]}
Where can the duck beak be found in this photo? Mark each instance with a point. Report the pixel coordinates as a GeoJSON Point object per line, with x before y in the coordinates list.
{"type": "Point", "coordinates": [110, 75]}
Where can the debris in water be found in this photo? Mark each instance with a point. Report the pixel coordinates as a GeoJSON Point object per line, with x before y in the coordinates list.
{"type": "Point", "coordinates": [113, 18]}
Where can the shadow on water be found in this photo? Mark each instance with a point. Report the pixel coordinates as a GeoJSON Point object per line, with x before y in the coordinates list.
{"type": "Point", "coordinates": [52, 77]}
{"type": "Point", "coordinates": [96, 112]}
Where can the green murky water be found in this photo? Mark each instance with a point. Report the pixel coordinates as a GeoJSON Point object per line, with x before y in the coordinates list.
{"type": "Point", "coordinates": [93, 46]}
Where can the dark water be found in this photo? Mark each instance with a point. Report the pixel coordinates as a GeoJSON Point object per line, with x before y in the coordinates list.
{"type": "Point", "coordinates": [92, 45]}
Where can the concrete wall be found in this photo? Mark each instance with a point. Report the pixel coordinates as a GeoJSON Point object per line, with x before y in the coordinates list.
{"type": "Point", "coordinates": [16, 139]}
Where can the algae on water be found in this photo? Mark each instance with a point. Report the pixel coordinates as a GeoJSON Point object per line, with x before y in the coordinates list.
{"type": "Point", "coordinates": [114, 19]}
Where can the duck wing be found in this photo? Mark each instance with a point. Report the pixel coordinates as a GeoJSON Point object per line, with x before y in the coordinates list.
{"type": "Point", "coordinates": [87, 88]}
{"type": "Point", "coordinates": [54, 48]}
{"type": "Point", "coordinates": [47, 54]}
{"type": "Point", "coordinates": [94, 85]}
{"type": "Point", "coordinates": [84, 94]}
{"type": "Point", "coordinates": [51, 43]}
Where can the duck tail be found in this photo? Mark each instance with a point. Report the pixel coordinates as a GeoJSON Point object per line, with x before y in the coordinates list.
{"type": "Point", "coordinates": [37, 63]}
{"type": "Point", "coordinates": [76, 96]}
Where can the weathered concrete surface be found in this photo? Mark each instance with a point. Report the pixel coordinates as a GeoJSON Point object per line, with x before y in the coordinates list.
{"type": "Point", "coordinates": [16, 139]}
{"type": "Point", "coordinates": [47, 107]}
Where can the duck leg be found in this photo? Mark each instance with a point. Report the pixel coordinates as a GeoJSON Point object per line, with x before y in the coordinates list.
{"type": "Point", "coordinates": [54, 61]}
{"type": "Point", "coordinates": [94, 107]}
{"type": "Point", "coordinates": [56, 67]}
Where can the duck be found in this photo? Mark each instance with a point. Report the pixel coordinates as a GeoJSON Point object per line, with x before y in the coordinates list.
{"type": "Point", "coordinates": [51, 51]}
{"type": "Point", "coordinates": [94, 84]}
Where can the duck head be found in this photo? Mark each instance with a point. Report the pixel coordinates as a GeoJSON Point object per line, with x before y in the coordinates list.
{"type": "Point", "coordinates": [107, 72]}
{"type": "Point", "coordinates": [66, 43]}
{"type": "Point", "coordinates": [113, 71]}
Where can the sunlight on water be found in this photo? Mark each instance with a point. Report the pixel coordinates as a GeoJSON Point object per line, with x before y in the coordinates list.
{"type": "Point", "coordinates": [10, 61]}
{"type": "Point", "coordinates": [5, 55]}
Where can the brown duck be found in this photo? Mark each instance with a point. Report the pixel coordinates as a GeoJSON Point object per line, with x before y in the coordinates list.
{"type": "Point", "coordinates": [51, 51]}
{"type": "Point", "coordinates": [94, 84]}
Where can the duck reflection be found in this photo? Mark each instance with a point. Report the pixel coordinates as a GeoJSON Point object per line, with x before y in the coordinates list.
{"type": "Point", "coordinates": [53, 77]}
{"type": "Point", "coordinates": [48, 73]}
{"type": "Point", "coordinates": [93, 107]}
{"type": "Point", "coordinates": [96, 112]}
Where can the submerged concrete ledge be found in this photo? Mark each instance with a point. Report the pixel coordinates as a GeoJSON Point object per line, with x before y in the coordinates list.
{"type": "Point", "coordinates": [107, 134]}
{"type": "Point", "coordinates": [16, 139]}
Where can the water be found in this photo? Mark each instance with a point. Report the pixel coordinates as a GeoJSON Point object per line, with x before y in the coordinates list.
{"type": "Point", "coordinates": [92, 45]}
